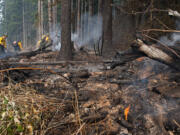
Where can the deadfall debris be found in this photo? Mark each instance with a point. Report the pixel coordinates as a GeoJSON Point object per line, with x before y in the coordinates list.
{"type": "Point", "coordinates": [135, 98]}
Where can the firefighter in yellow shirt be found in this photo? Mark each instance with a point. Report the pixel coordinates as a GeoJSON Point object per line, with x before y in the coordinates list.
{"type": "Point", "coordinates": [17, 46]}
{"type": "Point", "coordinates": [3, 44]}
{"type": "Point", "coordinates": [44, 41]}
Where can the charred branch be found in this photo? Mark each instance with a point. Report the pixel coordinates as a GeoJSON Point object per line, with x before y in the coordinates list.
{"type": "Point", "coordinates": [124, 57]}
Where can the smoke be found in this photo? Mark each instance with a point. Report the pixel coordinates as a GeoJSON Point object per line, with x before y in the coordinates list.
{"type": "Point", "coordinates": [56, 37]}
{"type": "Point", "coordinates": [90, 31]}
{"type": "Point", "coordinates": [173, 38]}
{"type": "Point", "coordinates": [7, 54]}
{"type": "Point", "coordinates": [156, 105]}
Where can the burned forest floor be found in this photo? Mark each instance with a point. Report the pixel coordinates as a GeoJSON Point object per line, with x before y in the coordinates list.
{"type": "Point", "coordinates": [141, 97]}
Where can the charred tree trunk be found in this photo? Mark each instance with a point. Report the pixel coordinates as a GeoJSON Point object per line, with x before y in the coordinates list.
{"type": "Point", "coordinates": [107, 28]}
{"type": "Point", "coordinates": [66, 48]}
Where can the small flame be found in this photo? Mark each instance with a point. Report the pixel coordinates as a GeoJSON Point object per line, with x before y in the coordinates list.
{"type": "Point", "coordinates": [126, 111]}
{"type": "Point", "coordinates": [140, 59]}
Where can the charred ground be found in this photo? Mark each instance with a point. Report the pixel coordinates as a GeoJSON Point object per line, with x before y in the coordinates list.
{"type": "Point", "coordinates": [84, 98]}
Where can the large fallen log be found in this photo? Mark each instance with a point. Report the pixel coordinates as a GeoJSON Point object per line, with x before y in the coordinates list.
{"type": "Point", "coordinates": [37, 51]}
{"type": "Point", "coordinates": [29, 54]}
{"type": "Point", "coordinates": [166, 55]}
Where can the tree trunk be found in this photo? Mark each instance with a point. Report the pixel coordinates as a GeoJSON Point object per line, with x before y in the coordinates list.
{"type": "Point", "coordinates": [50, 16]}
{"type": "Point", "coordinates": [73, 17]}
{"type": "Point", "coordinates": [66, 46]}
{"type": "Point", "coordinates": [24, 32]}
{"type": "Point", "coordinates": [107, 28]}
{"type": "Point", "coordinates": [82, 20]}
{"type": "Point", "coordinates": [54, 15]}
{"type": "Point", "coordinates": [5, 16]}
{"type": "Point", "coordinates": [85, 20]}
{"type": "Point", "coordinates": [91, 11]}
{"type": "Point", "coordinates": [91, 5]}
{"type": "Point", "coordinates": [79, 17]}
{"type": "Point", "coordinates": [40, 19]}
{"type": "Point", "coordinates": [100, 8]}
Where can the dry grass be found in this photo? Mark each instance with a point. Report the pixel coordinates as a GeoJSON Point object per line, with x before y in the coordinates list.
{"type": "Point", "coordinates": [24, 111]}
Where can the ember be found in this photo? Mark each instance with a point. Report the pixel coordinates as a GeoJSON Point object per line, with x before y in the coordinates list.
{"type": "Point", "coordinates": [126, 112]}
{"type": "Point", "coordinates": [140, 59]}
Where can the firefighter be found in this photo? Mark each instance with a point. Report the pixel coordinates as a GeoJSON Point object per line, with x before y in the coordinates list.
{"type": "Point", "coordinates": [44, 41]}
{"type": "Point", "coordinates": [17, 46]}
{"type": "Point", "coordinates": [3, 45]}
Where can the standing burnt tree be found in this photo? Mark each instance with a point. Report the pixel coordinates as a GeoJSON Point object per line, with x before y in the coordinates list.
{"type": "Point", "coordinates": [107, 27]}
{"type": "Point", "coordinates": [66, 46]}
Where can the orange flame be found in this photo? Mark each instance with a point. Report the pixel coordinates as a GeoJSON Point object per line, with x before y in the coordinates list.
{"type": "Point", "coordinates": [140, 59]}
{"type": "Point", "coordinates": [126, 111]}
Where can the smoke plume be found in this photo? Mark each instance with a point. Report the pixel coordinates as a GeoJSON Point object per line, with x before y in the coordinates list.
{"type": "Point", "coordinates": [173, 38]}
{"type": "Point", "coordinates": [56, 37]}
{"type": "Point", "coordinates": [90, 31]}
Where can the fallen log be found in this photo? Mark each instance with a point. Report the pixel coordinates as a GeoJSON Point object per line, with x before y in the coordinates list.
{"type": "Point", "coordinates": [166, 55]}
{"type": "Point", "coordinates": [37, 51]}
{"type": "Point", "coordinates": [31, 53]}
